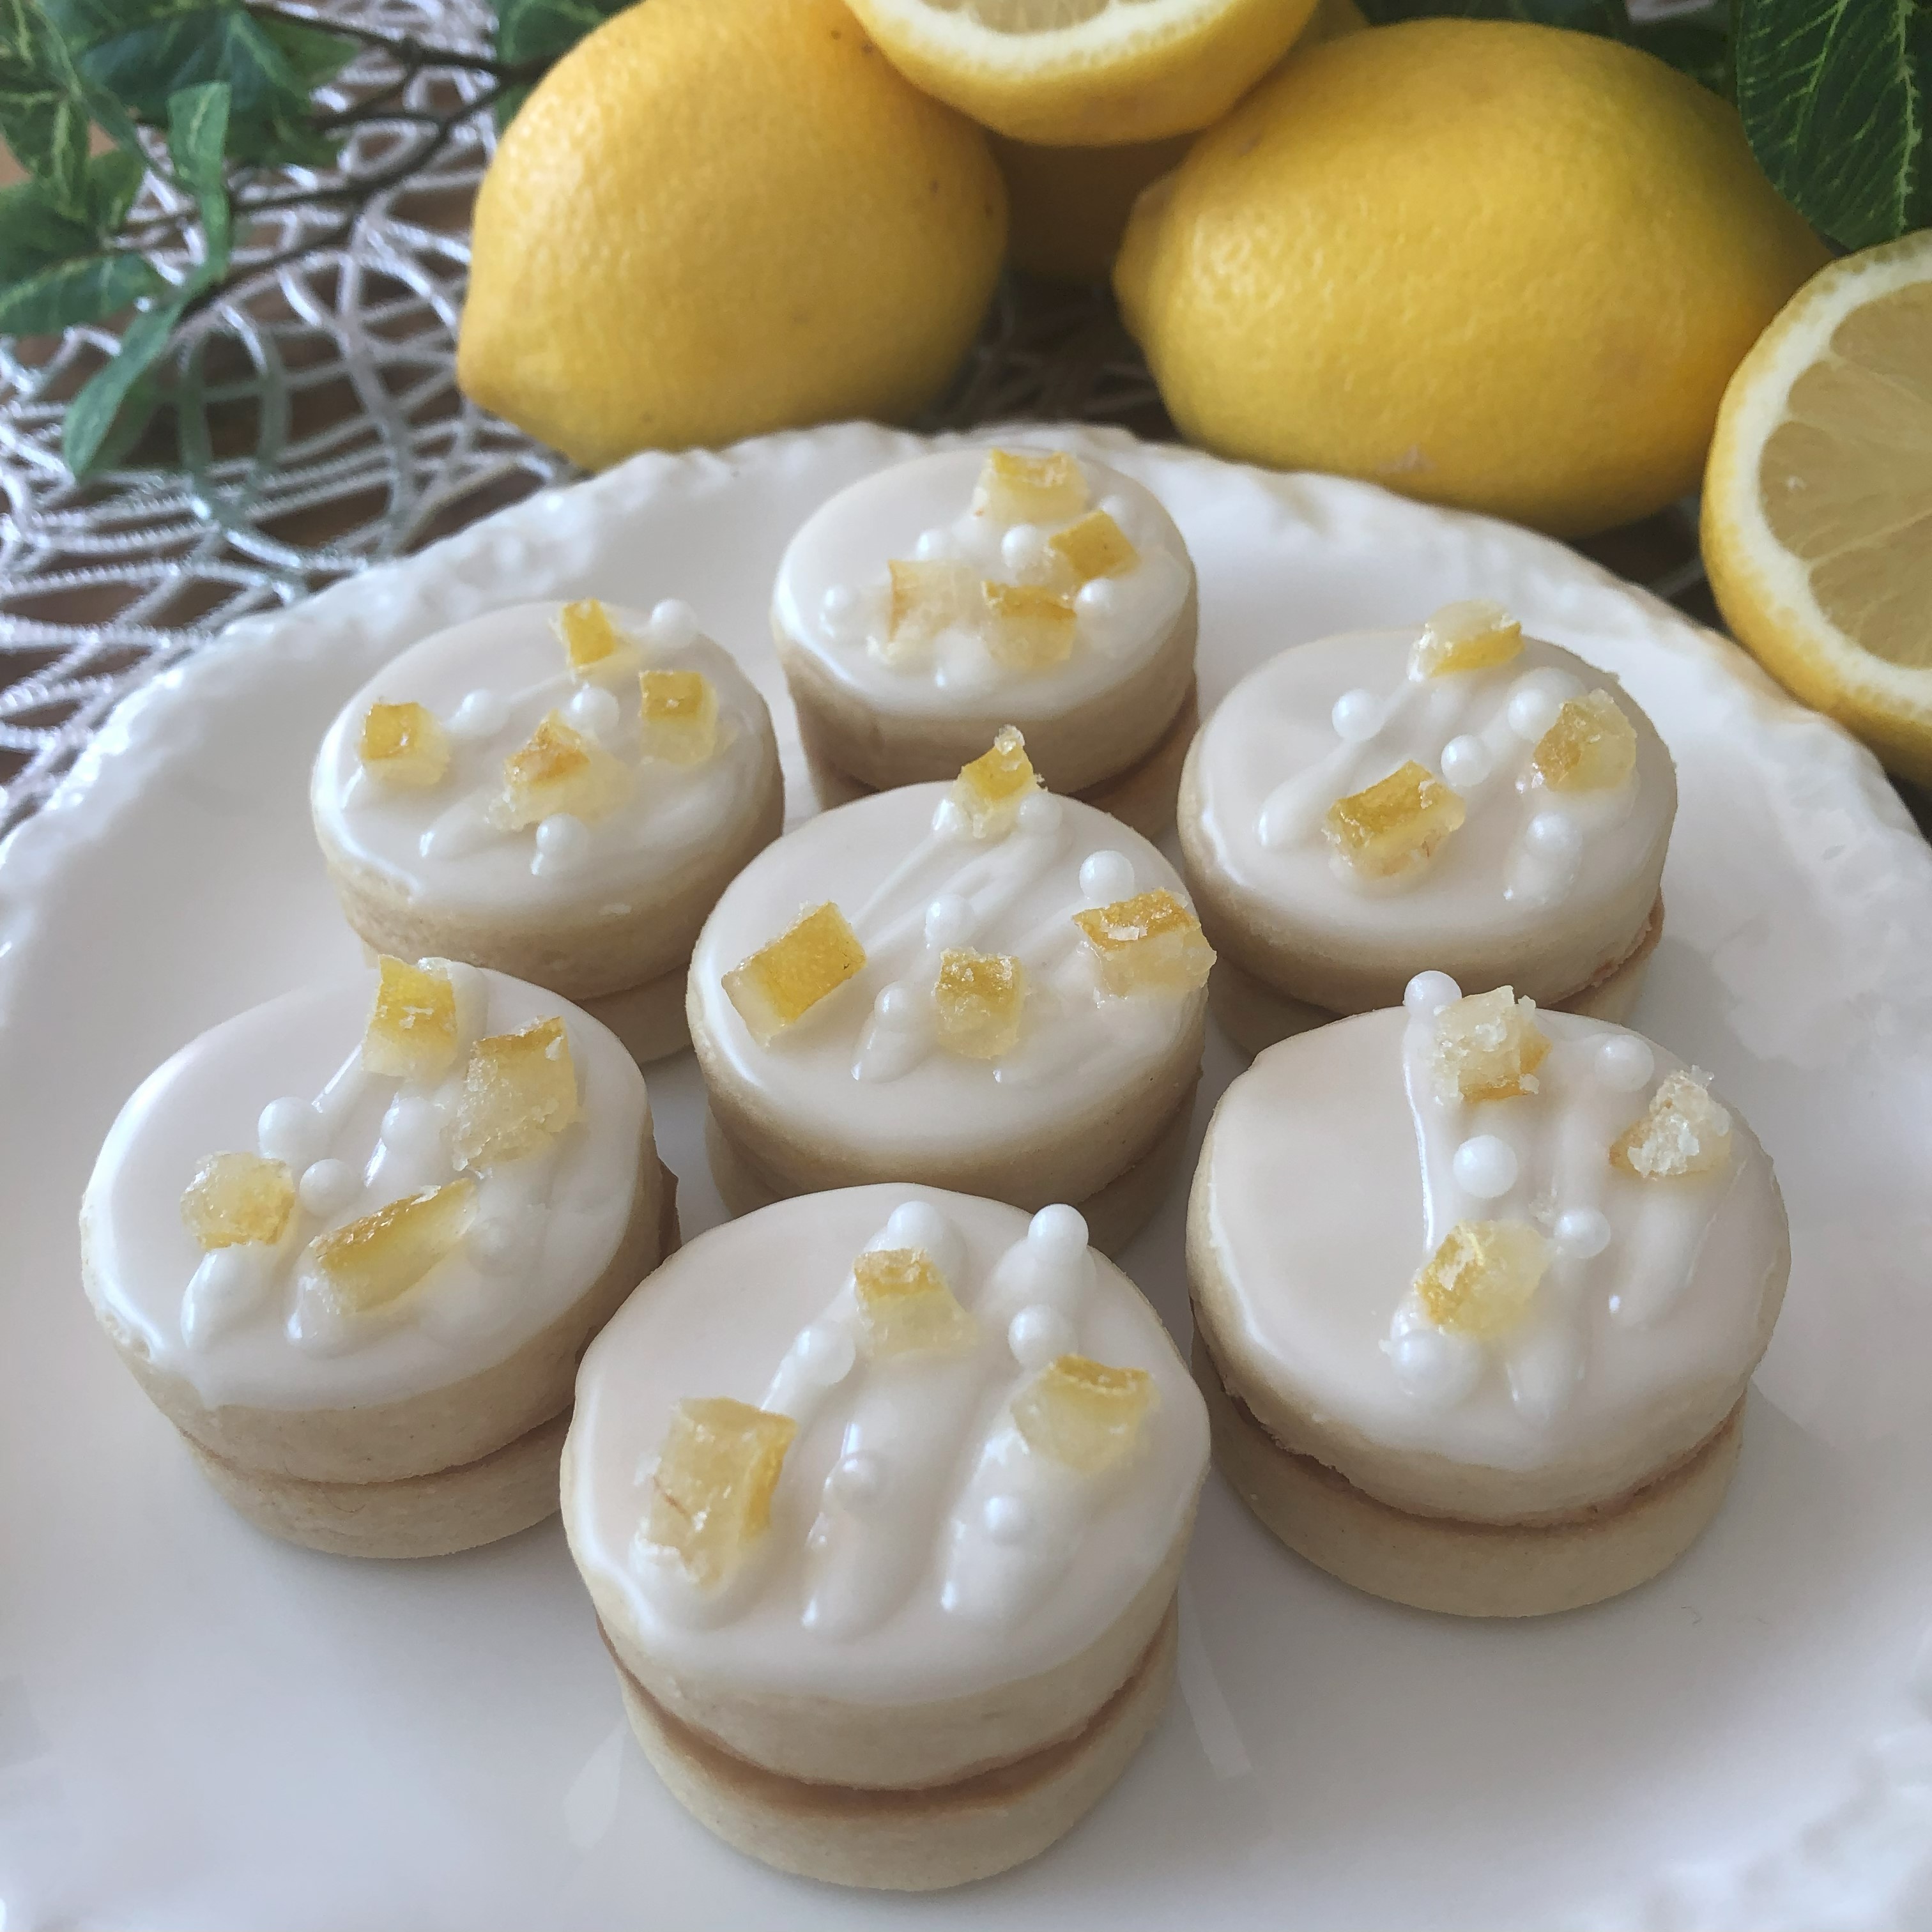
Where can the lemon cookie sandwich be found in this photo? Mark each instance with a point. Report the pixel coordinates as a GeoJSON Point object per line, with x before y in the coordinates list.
{"type": "Point", "coordinates": [559, 791]}
{"type": "Point", "coordinates": [1478, 1290]}
{"type": "Point", "coordinates": [977, 985]}
{"type": "Point", "coordinates": [352, 1243]}
{"type": "Point", "coordinates": [1464, 796]}
{"type": "Point", "coordinates": [927, 604]}
{"type": "Point", "coordinates": [882, 1497]}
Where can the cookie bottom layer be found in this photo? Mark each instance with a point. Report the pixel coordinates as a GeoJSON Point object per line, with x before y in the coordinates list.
{"type": "Point", "coordinates": [436, 1515]}
{"type": "Point", "coordinates": [1114, 1213]}
{"type": "Point", "coordinates": [922, 1839]}
{"type": "Point", "coordinates": [1142, 796]}
{"type": "Point", "coordinates": [1460, 1568]}
{"type": "Point", "coordinates": [648, 1019]}
{"type": "Point", "coordinates": [1254, 1014]}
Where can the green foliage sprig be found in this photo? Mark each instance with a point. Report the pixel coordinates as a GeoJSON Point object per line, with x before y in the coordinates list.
{"type": "Point", "coordinates": [216, 101]}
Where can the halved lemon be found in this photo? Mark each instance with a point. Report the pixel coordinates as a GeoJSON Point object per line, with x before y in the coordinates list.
{"type": "Point", "coordinates": [1085, 73]}
{"type": "Point", "coordinates": [1817, 519]}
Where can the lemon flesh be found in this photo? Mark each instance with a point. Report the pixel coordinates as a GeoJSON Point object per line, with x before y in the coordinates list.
{"type": "Point", "coordinates": [1504, 267]}
{"type": "Point", "coordinates": [1085, 73]}
{"type": "Point", "coordinates": [714, 218]}
{"type": "Point", "coordinates": [1817, 518]}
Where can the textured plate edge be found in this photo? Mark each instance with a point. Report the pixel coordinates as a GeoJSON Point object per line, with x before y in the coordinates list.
{"type": "Point", "coordinates": [1883, 1826]}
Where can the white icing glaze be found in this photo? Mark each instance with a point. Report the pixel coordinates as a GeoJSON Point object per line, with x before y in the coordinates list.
{"type": "Point", "coordinates": [831, 595]}
{"type": "Point", "coordinates": [235, 1323]}
{"type": "Point", "coordinates": [864, 1070]}
{"type": "Point", "coordinates": [491, 681]}
{"type": "Point", "coordinates": [1328, 719]}
{"type": "Point", "coordinates": [918, 1549]}
{"type": "Point", "coordinates": [1334, 1169]}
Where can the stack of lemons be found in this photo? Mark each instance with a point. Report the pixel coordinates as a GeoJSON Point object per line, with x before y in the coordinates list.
{"type": "Point", "coordinates": [1494, 265]}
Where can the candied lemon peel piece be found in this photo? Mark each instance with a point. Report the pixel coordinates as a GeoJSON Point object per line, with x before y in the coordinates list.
{"type": "Point", "coordinates": [782, 982]}
{"type": "Point", "coordinates": [404, 745]}
{"type": "Point", "coordinates": [978, 998]}
{"type": "Point", "coordinates": [369, 1263]}
{"type": "Point", "coordinates": [411, 1030]}
{"type": "Point", "coordinates": [928, 597]}
{"type": "Point", "coordinates": [1488, 1047]}
{"type": "Point", "coordinates": [991, 789]}
{"type": "Point", "coordinates": [1472, 634]}
{"type": "Point", "coordinates": [1094, 546]}
{"type": "Point", "coordinates": [906, 1306]}
{"type": "Point", "coordinates": [238, 1200]}
{"type": "Point", "coordinates": [1028, 628]}
{"type": "Point", "coordinates": [519, 1090]}
{"type": "Point", "coordinates": [1684, 1132]}
{"type": "Point", "coordinates": [1084, 1414]}
{"type": "Point", "coordinates": [1591, 747]}
{"type": "Point", "coordinates": [591, 639]}
{"type": "Point", "coordinates": [680, 709]}
{"type": "Point", "coordinates": [1482, 1279]}
{"type": "Point", "coordinates": [1019, 486]}
{"type": "Point", "coordinates": [1151, 943]}
{"type": "Point", "coordinates": [711, 1492]}
{"type": "Point", "coordinates": [558, 770]}
{"type": "Point", "coordinates": [1396, 826]}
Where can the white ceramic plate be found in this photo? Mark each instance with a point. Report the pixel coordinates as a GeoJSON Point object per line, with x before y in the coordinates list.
{"type": "Point", "coordinates": [201, 1728]}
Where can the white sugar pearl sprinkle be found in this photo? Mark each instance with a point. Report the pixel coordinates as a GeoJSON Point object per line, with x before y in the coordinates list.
{"type": "Point", "coordinates": [1059, 1226]}
{"type": "Point", "coordinates": [1532, 710]}
{"type": "Point", "coordinates": [563, 843]}
{"type": "Point", "coordinates": [1356, 717]}
{"type": "Point", "coordinates": [594, 710]}
{"type": "Point", "coordinates": [1040, 814]}
{"type": "Point", "coordinates": [948, 920]}
{"type": "Point", "coordinates": [289, 1129]}
{"type": "Point", "coordinates": [1428, 993]}
{"type": "Point", "coordinates": [1466, 761]}
{"type": "Point", "coordinates": [1097, 597]}
{"type": "Point", "coordinates": [897, 1006]}
{"type": "Point", "coordinates": [1022, 548]}
{"type": "Point", "coordinates": [1581, 1232]}
{"type": "Point", "coordinates": [1554, 836]}
{"type": "Point", "coordinates": [932, 545]}
{"type": "Point", "coordinates": [1625, 1062]}
{"type": "Point", "coordinates": [1485, 1166]}
{"type": "Point", "coordinates": [918, 1224]}
{"type": "Point", "coordinates": [673, 624]}
{"type": "Point", "coordinates": [1007, 1519]}
{"type": "Point", "coordinates": [840, 601]}
{"type": "Point", "coordinates": [482, 714]}
{"type": "Point", "coordinates": [1038, 1335]}
{"type": "Point", "coordinates": [1107, 877]}
{"type": "Point", "coordinates": [327, 1185]}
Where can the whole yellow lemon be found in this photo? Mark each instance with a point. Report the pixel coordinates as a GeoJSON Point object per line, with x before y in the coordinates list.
{"type": "Point", "coordinates": [715, 218]}
{"type": "Point", "coordinates": [1505, 267]}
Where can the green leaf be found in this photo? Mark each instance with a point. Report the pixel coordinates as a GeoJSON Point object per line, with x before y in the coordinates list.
{"type": "Point", "coordinates": [35, 234]}
{"type": "Point", "coordinates": [44, 115]}
{"type": "Point", "coordinates": [88, 289]}
{"type": "Point", "coordinates": [145, 52]}
{"type": "Point", "coordinates": [542, 31]}
{"type": "Point", "coordinates": [92, 414]}
{"type": "Point", "coordinates": [1835, 96]}
{"type": "Point", "coordinates": [197, 130]}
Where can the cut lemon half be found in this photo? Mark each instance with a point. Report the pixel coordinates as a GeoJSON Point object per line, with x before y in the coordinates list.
{"type": "Point", "coordinates": [1085, 73]}
{"type": "Point", "coordinates": [1817, 518]}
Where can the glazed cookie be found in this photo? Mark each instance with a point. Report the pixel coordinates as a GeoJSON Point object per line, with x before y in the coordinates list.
{"type": "Point", "coordinates": [352, 1243]}
{"type": "Point", "coordinates": [558, 791]}
{"type": "Point", "coordinates": [989, 988]}
{"type": "Point", "coordinates": [1478, 1290]}
{"type": "Point", "coordinates": [1466, 798]}
{"type": "Point", "coordinates": [926, 605]}
{"type": "Point", "coordinates": [881, 1497]}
